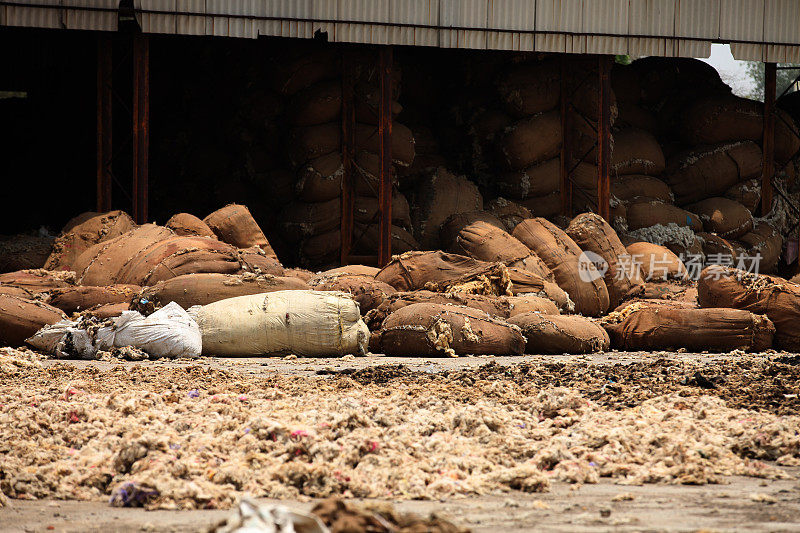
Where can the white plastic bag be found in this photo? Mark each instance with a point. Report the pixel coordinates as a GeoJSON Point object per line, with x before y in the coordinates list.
{"type": "Point", "coordinates": [310, 323]}
{"type": "Point", "coordinates": [252, 517]}
{"type": "Point", "coordinates": [169, 332]}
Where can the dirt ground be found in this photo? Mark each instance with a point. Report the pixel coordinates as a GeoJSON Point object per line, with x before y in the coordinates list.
{"type": "Point", "coordinates": [763, 388]}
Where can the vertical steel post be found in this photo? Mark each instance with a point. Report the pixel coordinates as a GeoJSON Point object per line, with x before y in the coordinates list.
{"type": "Point", "coordinates": [141, 126]}
{"type": "Point", "coordinates": [604, 139]}
{"type": "Point", "coordinates": [385, 142]}
{"type": "Point", "coordinates": [768, 140]}
{"type": "Point", "coordinates": [348, 154]}
{"type": "Point", "coordinates": [565, 159]}
{"type": "Point", "coordinates": [104, 80]}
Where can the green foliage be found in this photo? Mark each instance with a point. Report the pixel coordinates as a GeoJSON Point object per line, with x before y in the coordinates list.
{"type": "Point", "coordinates": [623, 59]}
{"type": "Point", "coordinates": [755, 70]}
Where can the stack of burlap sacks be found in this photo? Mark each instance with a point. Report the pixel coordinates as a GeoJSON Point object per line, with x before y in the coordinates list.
{"type": "Point", "coordinates": [312, 221]}
{"type": "Point", "coordinates": [710, 187]}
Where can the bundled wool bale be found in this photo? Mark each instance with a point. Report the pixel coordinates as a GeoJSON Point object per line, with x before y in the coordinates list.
{"type": "Point", "coordinates": [19, 292]}
{"type": "Point", "coordinates": [321, 249]}
{"type": "Point", "coordinates": [747, 193]}
{"type": "Point", "coordinates": [536, 180]}
{"type": "Point", "coordinates": [532, 140]}
{"type": "Point", "coordinates": [549, 334]}
{"type": "Point", "coordinates": [38, 280]}
{"type": "Point", "coordinates": [444, 272]}
{"type": "Point", "coordinates": [306, 323]}
{"type": "Point", "coordinates": [626, 83]}
{"type": "Point", "coordinates": [774, 297]}
{"type": "Point", "coordinates": [716, 330]}
{"type": "Point", "coordinates": [710, 171]}
{"type": "Point", "coordinates": [727, 218]}
{"type": "Point", "coordinates": [74, 299]}
{"type": "Point", "coordinates": [20, 318]}
{"type": "Point", "coordinates": [635, 116]}
{"type": "Point", "coordinates": [433, 329]}
{"type": "Point", "coordinates": [320, 179]}
{"type": "Point", "coordinates": [483, 241]}
{"type": "Point", "coordinates": [525, 282]}
{"type": "Point", "coordinates": [626, 308]}
{"type": "Point", "coordinates": [366, 138]}
{"type": "Point", "coordinates": [205, 288]}
{"type": "Point", "coordinates": [20, 252]}
{"type": "Point", "coordinates": [560, 253]}
{"type": "Point", "coordinates": [715, 247]}
{"type": "Point", "coordinates": [455, 223]}
{"type": "Point", "coordinates": [186, 224]}
{"type": "Point", "coordinates": [105, 311]}
{"type": "Point", "coordinates": [764, 242]}
{"type": "Point", "coordinates": [636, 152]}
{"type": "Point", "coordinates": [299, 273]}
{"type": "Point", "coordinates": [366, 210]}
{"type": "Point", "coordinates": [235, 225]}
{"type": "Point", "coordinates": [657, 262]}
{"type": "Point", "coordinates": [84, 231]}
{"type": "Point", "coordinates": [317, 104]}
{"type": "Point", "coordinates": [529, 303]}
{"type": "Point", "coordinates": [543, 206]}
{"type": "Point", "coordinates": [646, 214]}
{"type": "Point", "coordinates": [530, 88]}
{"type": "Point", "coordinates": [368, 292]}
{"type": "Point", "coordinates": [637, 188]}
{"type": "Point", "coordinates": [355, 270]}
{"type": "Point", "coordinates": [304, 66]}
{"type": "Point", "coordinates": [257, 261]}
{"type": "Point", "coordinates": [661, 76]}
{"type": "Point", "coordinates": [622, 277]}
{"type": "Point", "coordinates": [300, 220]}
{"type": "Point", "coordinates": [438, 197]}
{"type": "Point", "coordinates": [510, 213]}
{"type": "Point", "coordinates": [310, 142]}
{"type": "Point", "coordinates": [367, 237]}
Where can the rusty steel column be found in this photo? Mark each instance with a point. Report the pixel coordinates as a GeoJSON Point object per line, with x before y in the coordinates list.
{"type": "Point", "coordinates": [348, 154]}
{"type": "Point", "coordinates": [104, 80]}
{"type": "Point", "coordinates": [565, 159]}
{"type": "Point", "coordinates": [604, 138]}
{"type": "Point", "coordinates": [141, 126]}
{"type": "Point", "coordinates": [768, 139]}
{"type": "Point", "coordinates": [385, 147]}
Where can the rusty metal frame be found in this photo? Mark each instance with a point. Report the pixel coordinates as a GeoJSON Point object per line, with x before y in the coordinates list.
{"type": "Point", "coordinates": [385, 147]}
{"type": "Point", "coordinates": [604, 138]}
{"type": "Point", "coordinates": [768, 138]}
{"type": "Point", "coordinates": [104, 121]}
{"type": "Point", "coordinates": [141, 126]}
{"type": "Point", "coordinates": [348, 155]}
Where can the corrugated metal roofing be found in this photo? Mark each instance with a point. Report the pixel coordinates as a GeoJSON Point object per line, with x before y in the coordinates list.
{"type": "Point", "coordinates": [762, 30]}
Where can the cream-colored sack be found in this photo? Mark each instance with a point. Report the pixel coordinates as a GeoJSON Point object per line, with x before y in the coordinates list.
{"type": "Point", "coordinates": [310, 323]}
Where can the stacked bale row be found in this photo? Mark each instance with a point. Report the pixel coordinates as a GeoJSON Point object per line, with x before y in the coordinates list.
{"type": "Point", "coordinates": [314, 88]}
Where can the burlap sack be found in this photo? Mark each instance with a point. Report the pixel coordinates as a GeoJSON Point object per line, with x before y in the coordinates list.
{"type": "Point", "coordinates": [715, 330]}
{"type": "Point", "coordinates": [434, 329]}
{"type": "Point", "coordinates": [774, 297]}
{"type": "Point", "coordinates": [317, 104]}
{"type": "Point", "coordinates": [366, 239]}
{"type": "Point", "coordinates": [355, 270]}
{"type": "Point", "coordinates": [531, 140]}
{"type": "Point", "coordinates": [302, 67]}
{"type": "Point", "coordinates": [747, 193]}
{"type": "Point", "coordinates": [715, 247]}
{"type": "Point", "coordinates": [20, 318]}
{"type": "Point", "coordinates": [636, 152]}
{"type": "Point", "coordinates": [543, 206]}
{"type": "Point", "coordinates": [560, 253]}
{"type": "Point", "coordinates": [638, 188]}
{"type": "Point", "coordinates": [235, 225]}
{"type": "Point", "coordinates": [646, 214]}
{"type": "Point", "coordinates": [366, 210]}
{"type": "Point", "coordinates": [366, 137]}
{"type": "Point", "coordinates": [727, 218]}
{"type": "Point", "coordinates": [256, 260]}
{"type": "Point", "coordinates": [763, 241]}
{"type": "Point", "coordinates": [201, 289]}
{"type": "Point", "coordinates": [186, 224]}
{"type": "Point", "coordinates": [657, 262]}
{"type": "Point", "coordinates": [310, 142]}
{"type": "Point", "coordinates": [536, 180]}
{"type": "Point", "coordinates": [73, 299]}
{"type": "Point", "coordinates": [710, 171]}
{"type": "Point", "coordinates": [38, 280]}
{"type": "Point", "coordinates": [636, 116]}
{"type": "Point", "coordinates": [300, 219]}
{"type": "Point", "coordinates": [549, 334]}
{"type": "Point", "coordinates": [623, 279]}
{"type": "Point", "coordinates": [84, 231]}
{"type": "Point", "coordinates": [368, 292]}
{"type": "Point", "coordinates": [510, 213]}
{"type": "Point", "coordinates": [530, 88]}
{"type": "Point", "coordinates": [320, 179]}
{"type": "Point", "coordinates": [525, 282]}
{"type": "Point", "coordinates": [455, 223]}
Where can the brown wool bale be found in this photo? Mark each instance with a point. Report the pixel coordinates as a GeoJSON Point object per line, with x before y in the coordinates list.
{"type": "Point", "coordinates": [368, 292]}
{"type": "Point", "coordinates": [20, 292]}
{"type": "Point", "coordinates": [435, 329]}
{"type": "Point", "coordinates": [235, 225]}
{"type": "Point", "coordinates": [560, 253]}
{"type": "Point", "coordinates": [320, 180]}
{"type": "Point", "coordinates": [438, 197]}
{"type": "Point", "coordinates": [321, 249]}
{"type": "Point", "coordinates": [510, 213]}
{"type": "Point", "coordinates": [525, 282]}
{"type": "Point", "coordinates": [366, 137]}
{"type": "Point", "coordinates": [548, 334]}
{"type": "Point", "coordinates": [765, 242]}
{"type": "Point", "coordinates": [38, 280]}
{"type": "Point", "coordinates": [21, 252]}
{"type": "Point", "coordinates": [710, 171]}
{"type": "Point", "coordinates": [83, 232]}
{"type": "Point", "coordinates": [529, 303]}
{"type": "Point", "coordinates": [647, 214]}
{"type": "Point", "coordinates": [186, 224]}
{"type": "Point", "coordinates": [530, 88]}
{"type": "Point", "coordinates": [20, 318]}
{"type": "Point", "coordinates": [105, 311]}
{"type": "Point", "coordinates": [657, 262]}
{"type": "Point", "coordinates": [205, 288]}
{"type": "Point", "coordinates": [626, 83]}
{"type": "Point", "coordinates": [543, 206]}
{"type": "Point", "coordinates": [367, 237]}
{"type": "Point", "coordinates": [455, 223]}
{"type": "Point", "coordinates": [638, 188]}
{"type": "Point", "coordinates": [532, 140]}
{"type": "Point", "coordinates": [300, 220]}
{"type": "Point", "coordinates": [310, 142]}
{"type": "Point", "coordinates": [636, 152]}
{"type": "Point", "coordinates": [366, 210]}
{"type": "Point", "coordinates": [636, 116]}
{"type": "Point", "coordinates": [727, 218]}
{"type": "Point", "coordinates": [353, 270]}
{"type": "Point", "coordinates": [303, 68]}
{"type": "Point", "coordinates": [317, 104]}
{"type": "Point", "coordinates": [536, 180]}
{"type": "Point", "coordinates": [680, 291]}
{"type": "Point", "coordinates": [715, 246]}
{"type": "Point", "coordinates": [747, 193]}
{"type": "Point", "coordinates": [255, 260]}
{"type": "Point", "coordinates": [648, 303]}
{"type": "Point", "coordinates": [73, 299]}
{"type": "Point", "coordinates": [774, 297]}
{"type": "Point", "coordinates": [623, 279]}
{"type": "Point", "coordinates": [715, 330]}
{"type": "Point", "coordinates": [299, 273]}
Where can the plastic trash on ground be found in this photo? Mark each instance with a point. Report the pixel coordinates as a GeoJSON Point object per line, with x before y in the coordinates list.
{"type": "Point", "coordinates": [169, 332]}
{"type": "Point", "coordinates": [252, 517]}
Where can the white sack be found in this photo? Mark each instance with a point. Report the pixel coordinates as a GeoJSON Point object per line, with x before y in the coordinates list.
{"type": "Point", "coordinates": [310, 323]}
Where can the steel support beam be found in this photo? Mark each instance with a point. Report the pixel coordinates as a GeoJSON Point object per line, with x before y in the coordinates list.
{"type": "Point", "coordinates": [604, 138]}
{"type": "Point", "coordinates": [768, 140]}
{"type": "Point", "coordinates": [348, 155]}
{"type": "Point", "coordinates": [566, 146]}
{"type": "Point", "coordinates": [104, 154]}
{"type": "Point", "coordinates": [385, 146]}
{"type": "Point", "coordinates": [141, 126]}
